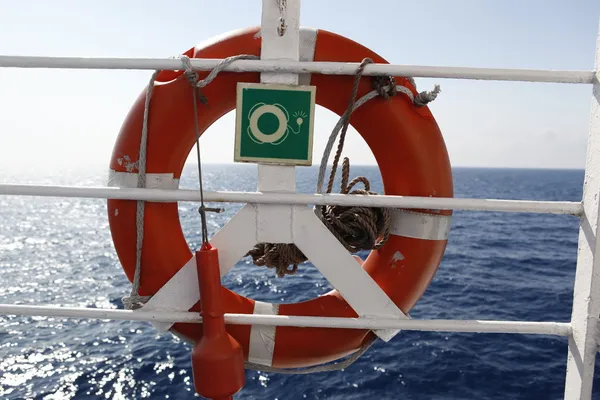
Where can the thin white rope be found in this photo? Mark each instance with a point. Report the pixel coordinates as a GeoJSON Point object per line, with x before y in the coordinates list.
{"type": "Point", "coordinates": [134, 300]}
{"type": "Point", "coordinates": [187, 65]}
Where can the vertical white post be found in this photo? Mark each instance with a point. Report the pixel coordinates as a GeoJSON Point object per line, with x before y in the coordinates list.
{"type": "Point", "coordinates": [275, 47]}
{"type": "Point", "coordinates": [279, 47]}
{"type": "Point", "coordinates": [271, 220]}
{"type": "Point", "coordinates": [586, 297]}
{"type": "Point", "coordinates": [278, 178]}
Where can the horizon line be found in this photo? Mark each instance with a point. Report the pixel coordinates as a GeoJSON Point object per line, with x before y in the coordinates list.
{"type": "Point", "coordinates": [194, 163]}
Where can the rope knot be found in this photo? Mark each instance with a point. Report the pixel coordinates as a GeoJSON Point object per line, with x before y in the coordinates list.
{"type": "Point", "coordinates": [279, 256]}
{"type": "Point", "coordinates": [192, 77]}
{"type": "Point", "coordinates": [385, 86]}
{"type": "Point", "coordinates": [356, 228]}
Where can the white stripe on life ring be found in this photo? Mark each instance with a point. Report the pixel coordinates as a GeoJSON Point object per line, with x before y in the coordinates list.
{"type": "Point", "coordinates": [262, 337]}
{"type": "Point", "coordinates": [308, 44]}
{"type": "Point", "coordinates": [153, 181]}
{"type": "Point", "coordinates": [420, 226]}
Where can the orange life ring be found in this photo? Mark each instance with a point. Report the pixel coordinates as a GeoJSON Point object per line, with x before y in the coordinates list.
{"type": "Point", "coordinates": [405, 140]}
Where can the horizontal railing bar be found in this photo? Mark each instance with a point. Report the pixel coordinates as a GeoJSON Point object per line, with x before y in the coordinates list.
{"type": "Point", "coordinates": [164, 195]}
{"type": "Point", "coordinates": [476, 326]}
{"type": "Point", "coordinates": [329, 68]}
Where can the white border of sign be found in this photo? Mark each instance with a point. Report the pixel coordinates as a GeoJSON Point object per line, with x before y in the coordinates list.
{"type": "Point", "coordinates": [238, 123]}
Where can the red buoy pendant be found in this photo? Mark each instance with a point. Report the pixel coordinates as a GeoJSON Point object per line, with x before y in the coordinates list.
{"type": "Point", "coordinates": [217, 358]}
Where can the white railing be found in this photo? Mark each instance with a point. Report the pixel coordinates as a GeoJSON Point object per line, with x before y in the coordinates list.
{"type": "Point", "coordinates": [586, 305]}
{"type": "Point", "coordinates": [166, 195]}
{"type": "Point", "coordinates": [478, 326]}
{"type": "Point", "coordinates": [301, 67]}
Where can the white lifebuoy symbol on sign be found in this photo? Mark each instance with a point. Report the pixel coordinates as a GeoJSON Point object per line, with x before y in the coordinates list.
{"type": "Point", "coordinates": [259, 110]}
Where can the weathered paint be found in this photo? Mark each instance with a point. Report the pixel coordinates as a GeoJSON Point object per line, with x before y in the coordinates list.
{"type": "Point", "coordinates": [395, 258]}
{"type": "Point", "coordinates": [129, 165]}
{"type": "Point", "coordinates": [586, 296]}
{"type": "Point", "coordinates": [153, 180]}
{"type": "Point", "coordinates": [262, 337]}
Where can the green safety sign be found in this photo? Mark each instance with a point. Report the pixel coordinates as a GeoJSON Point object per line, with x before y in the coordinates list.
{"type": "Point", "coordinates": [274, 123]}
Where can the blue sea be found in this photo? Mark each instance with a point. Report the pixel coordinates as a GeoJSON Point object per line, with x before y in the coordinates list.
{"type": "Point", "coordinates": [497, 266]}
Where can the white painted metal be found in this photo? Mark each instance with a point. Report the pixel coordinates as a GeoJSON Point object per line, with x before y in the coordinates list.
{"type": "Point", "coordinates": [181, 292]}
{"type": "Point", "coordinates": [342, 270]}
{"type": "Point", "coordinates": [522, 327]}
{"type": "Point", "coordinates": [278, 178]}
{"type": "Point", "coordinates": [159, 195]}
{"type": "Point", "coordinates": [277, 48]}
{"type": "Point", "coordinates": [306, 231]}
{"type": "Point", "coordinates": [310, 235]}
{"type": "Point", "coordinates": [284, 66]}
{"type": "Point", "coordinates": [274, 221]}
{"type": "Point", "coordinates": [583, 344]}
{"type": "Point", "coordinates": [262, 337]}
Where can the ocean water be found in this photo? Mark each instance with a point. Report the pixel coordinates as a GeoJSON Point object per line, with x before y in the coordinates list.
{"type": "Point", "coordinates": [497, 266]}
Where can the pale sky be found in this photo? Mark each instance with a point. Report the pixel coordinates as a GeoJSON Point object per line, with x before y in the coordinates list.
{"type": "Point", "coordinates": [57, 117]}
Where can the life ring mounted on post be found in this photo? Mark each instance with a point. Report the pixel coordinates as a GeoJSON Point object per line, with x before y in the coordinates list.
{"type": "Point", "coordinates": [404, 139]}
